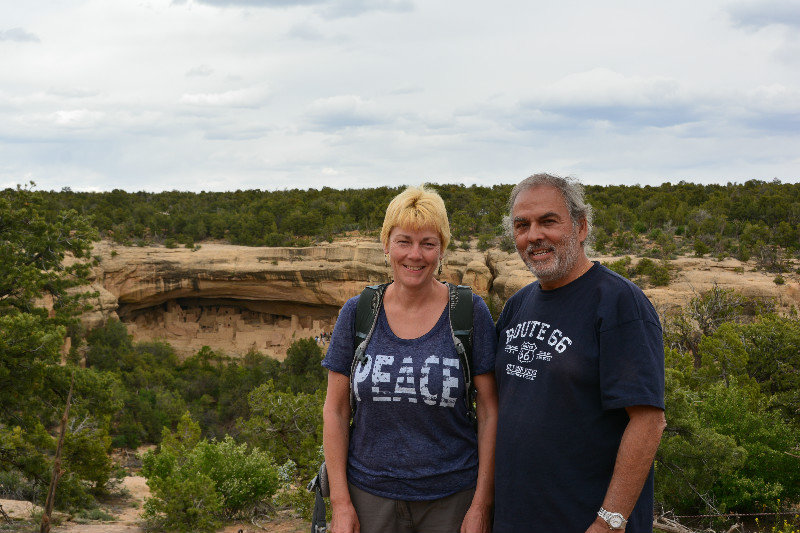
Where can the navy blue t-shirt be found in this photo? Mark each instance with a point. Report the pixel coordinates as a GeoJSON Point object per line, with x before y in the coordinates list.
{"type": "Point", "coordinates": [569, 361]}
{"type": "Point", "coordinates": [411, 438]}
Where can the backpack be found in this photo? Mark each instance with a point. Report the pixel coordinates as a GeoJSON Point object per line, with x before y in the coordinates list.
{"type": "Point", "coordinates": [367, 309]}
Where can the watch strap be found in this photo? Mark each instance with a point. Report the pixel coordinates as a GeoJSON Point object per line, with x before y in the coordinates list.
{"type": "Point", "coordinates": [614, 521]}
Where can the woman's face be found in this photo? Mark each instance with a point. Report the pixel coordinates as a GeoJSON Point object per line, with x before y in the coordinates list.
{"type": "Point", "coordinates": [414, 255]}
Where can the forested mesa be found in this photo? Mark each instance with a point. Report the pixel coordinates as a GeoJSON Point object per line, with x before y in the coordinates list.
{"type": "Point", "coordinates": [242, 434]}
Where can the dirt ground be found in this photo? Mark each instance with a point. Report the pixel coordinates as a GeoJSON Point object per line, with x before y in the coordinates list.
{"type": "Point", "coordinates": [127, 517]}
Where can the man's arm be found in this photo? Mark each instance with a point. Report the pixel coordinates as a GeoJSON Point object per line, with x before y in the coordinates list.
{"type": "Point", "coordinates": [637, 449]}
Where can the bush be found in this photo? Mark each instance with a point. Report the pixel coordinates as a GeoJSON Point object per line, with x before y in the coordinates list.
{"type": "Point", "coordinates": [624, 242]}
{"type": "Point", "coordinates": [195, 483]}
{"type": "Point", "coordinates": [732, 425]}
{"type": "Point", "coordinates": [620, 266]}
{"type": "Point", "coordinates": [302, 368]}
{"type": "Point", "coordinates": [485, 241]}
{"type": "Point", "coordinates": [287, 425]}
{"type": "Point", "coordinates": [182, 502]}
{"type": "Point", "coordinates": [700, 248]}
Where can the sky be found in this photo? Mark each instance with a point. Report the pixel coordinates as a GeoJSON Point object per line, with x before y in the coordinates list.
{"type": "Point", "coordinates": [220, 95]}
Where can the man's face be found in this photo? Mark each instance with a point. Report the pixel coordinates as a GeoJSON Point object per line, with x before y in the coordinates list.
{"type": "Point", "coordinates": [545, 237]}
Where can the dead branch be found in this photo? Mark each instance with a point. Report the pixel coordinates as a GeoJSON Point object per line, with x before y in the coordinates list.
{"type": "Point", "coordinates": [57, 471]}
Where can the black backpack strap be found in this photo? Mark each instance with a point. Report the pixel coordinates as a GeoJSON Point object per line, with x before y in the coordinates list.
{"type": "Point", "coordinates": [461, 327]}
{"type": "Point", "coordinates": [367, 309]}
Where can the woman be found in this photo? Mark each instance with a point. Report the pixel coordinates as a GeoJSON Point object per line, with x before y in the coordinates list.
{"type": "Point", "coordinates": [412, 461]}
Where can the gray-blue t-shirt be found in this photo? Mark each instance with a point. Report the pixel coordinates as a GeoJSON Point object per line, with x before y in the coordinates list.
{"type": "Point", "coordinates": [411, 438]}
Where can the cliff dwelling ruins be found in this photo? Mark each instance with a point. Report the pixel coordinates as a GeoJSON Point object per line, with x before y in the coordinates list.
{"type": "Point", "coordinates": [230, 326]}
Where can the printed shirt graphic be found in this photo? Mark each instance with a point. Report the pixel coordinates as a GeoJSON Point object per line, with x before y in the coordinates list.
{"type": "Point", "coordinates": [568, 362]}
{"type": "Point", "coordinates": [411, 437]}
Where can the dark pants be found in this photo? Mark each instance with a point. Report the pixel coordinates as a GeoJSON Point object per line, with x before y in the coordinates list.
{"type": "Point", "coordinates": [384, 515]}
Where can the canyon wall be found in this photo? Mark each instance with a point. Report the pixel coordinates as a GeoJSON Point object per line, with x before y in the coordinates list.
{"type": "Point", "coordinates": [237, 298]}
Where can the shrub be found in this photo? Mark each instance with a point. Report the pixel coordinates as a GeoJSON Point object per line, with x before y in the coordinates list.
{"type": "Point", "coordinates": [620, 266]}
{"type": "Point", "coordinates": [700, 248]}
{"type": "Point", "coordinates": [624, 241]}
{"type": "Point", "coordinates": [302, 370]}
{"type": "Point", "coordinates": [242, 479]}
{"type": "Point", "coordinates": [286, 425]}
{"type": "Point", "coordinates": [485, 241]}
{"type": "Point", "coordinates": [660, 276]}
{"type": "Point", "coordinates": [195, 483]}
{"type": "Point", "coordinates": [182, 502]}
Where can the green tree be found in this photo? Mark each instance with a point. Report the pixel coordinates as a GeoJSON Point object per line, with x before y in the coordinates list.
{"type": "Point", "coordinates": [287, 425]}
{"type": "Point", "coordinates": [303, 371]}
{"type": "Point", "coordinates": [44, 257]}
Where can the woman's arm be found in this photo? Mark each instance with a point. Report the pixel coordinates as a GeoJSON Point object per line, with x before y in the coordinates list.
{"type": "Point", "coordinates": [335, 437]}
{"type": "Point", "coordinates": [479, 515]}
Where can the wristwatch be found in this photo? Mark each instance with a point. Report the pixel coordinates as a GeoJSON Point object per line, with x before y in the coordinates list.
{"type": "Point", "coordinates": [614, 520]}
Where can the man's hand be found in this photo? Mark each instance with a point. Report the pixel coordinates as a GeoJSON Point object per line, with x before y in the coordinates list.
{"type": "Point", "coordinates": [599, 526]}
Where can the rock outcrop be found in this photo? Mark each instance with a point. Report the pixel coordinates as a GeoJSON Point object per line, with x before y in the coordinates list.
{"type": "Point", "coordinates": [236, 298]}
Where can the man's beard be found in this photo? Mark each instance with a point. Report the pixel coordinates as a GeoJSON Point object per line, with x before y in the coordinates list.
{"type": "Point", "coordinates": [561, 264]}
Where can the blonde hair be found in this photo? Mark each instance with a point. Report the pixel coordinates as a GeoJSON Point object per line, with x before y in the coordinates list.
{"type": "Point", "coordinates": [417, 208]}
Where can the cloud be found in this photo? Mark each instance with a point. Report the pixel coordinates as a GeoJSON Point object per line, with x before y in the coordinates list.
{"type": "Point", "coordinates": [772, 108]}
{"type": "Point", "coordinates": [236, 98]}
{"type": "Point", "coordinates": [258, 3]}
{"type": "Point", "coordinates": [305, 32]}
{"type": "Point", "coordinates": [604, 95]}
{"type": "Point", "coordinates": [199, 71]}
{"type": "Point", "coordinates": [761, 13]}
{"type": "Point", "coordinates": [343, 111]}
{"type": "Point", "coordinates": [327, 8]}
{"type": "Point", "coordinates": [19, 35]}
{"type": "Point", "coordinates": [352, 8]}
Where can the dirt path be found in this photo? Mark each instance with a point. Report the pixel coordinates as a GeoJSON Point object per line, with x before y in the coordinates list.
{"type": "Point", "coordinates": [127, 513]}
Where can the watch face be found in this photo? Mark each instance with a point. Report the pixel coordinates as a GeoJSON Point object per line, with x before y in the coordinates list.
{"type": "Point", "coordinates": [615, 520]}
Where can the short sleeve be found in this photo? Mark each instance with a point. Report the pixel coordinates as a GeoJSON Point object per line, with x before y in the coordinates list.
{"type": "Point", "coordinates": [484, 337]}
{"type": "Point", "coordinates": [339, 356]}
{"type": "Point", "coordinates": [632, 365]}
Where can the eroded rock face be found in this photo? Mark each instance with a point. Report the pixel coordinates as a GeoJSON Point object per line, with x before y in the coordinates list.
{"type": "Point", "coordinates": [237, 298]}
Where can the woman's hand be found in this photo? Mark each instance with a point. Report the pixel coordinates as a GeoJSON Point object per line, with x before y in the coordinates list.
{"type": "Point", "coordinates": [477, 520]}
{"type": "Point", "coordinates": [479, 515]}
{"type": "Point", "coordinates": [335, 434]}
{"type": "Point", "coordinates": [344, 519]}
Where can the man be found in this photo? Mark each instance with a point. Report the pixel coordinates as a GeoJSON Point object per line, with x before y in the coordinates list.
{"type": "Point", "coordinates": [580, 372]}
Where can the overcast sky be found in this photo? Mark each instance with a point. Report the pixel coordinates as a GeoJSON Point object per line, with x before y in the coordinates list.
{"type": "Point", "coordinates": [276, 94]}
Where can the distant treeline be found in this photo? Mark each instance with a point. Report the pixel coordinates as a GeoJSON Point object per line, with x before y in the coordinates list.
{"type": "Point", "coordinates": [737, 220]}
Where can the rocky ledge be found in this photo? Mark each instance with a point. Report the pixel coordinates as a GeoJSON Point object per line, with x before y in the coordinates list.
{"type": "Point", "coordinates": [237, 298]}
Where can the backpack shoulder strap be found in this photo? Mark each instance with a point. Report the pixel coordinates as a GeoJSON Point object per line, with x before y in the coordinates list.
{"type": "Point", "coordinates": [461, 316]}
{"type": "Point", "coordinates": [461, 327]}
{"type": "Point", "coordinates": [367, 309]}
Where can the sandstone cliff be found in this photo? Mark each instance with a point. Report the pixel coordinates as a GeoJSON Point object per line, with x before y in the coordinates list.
{"type": "Point", "coordinates": [236, 298]}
